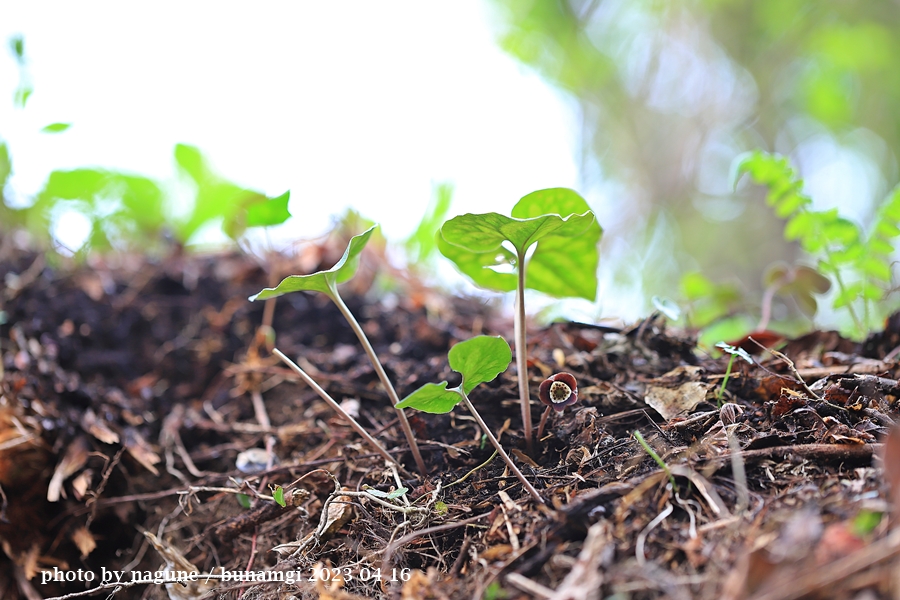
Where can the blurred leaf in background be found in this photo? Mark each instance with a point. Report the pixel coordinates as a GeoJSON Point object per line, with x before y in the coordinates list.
{"type": "Point", "coordinates": [667, 94]}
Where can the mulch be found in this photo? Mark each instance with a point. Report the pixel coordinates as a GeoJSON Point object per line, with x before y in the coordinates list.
{"type": "Point", "coordinates": [144, 422]}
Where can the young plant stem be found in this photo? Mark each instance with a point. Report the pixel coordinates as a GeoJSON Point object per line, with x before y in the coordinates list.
{"type": "Point", "coordinates": [391, 392]}
{"type": "Point", "coordinates": [337, 407]}
{"type": "Point", "coordinates": [512, 466]}
{"type": "Point", "coordinates": [724, 381]}
{"type": "Point", "coordinates": [521, 353]}
{"type": "Point", "coordinates": [840, 283]}
{"type": "Point", "coordinates": [544, 416]}
{"type": "Point", "coordinates": [655, 456]}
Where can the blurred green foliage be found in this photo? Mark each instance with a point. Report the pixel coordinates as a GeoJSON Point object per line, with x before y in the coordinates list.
{"type": "Point", "coordinates": [667, 94]}
{"type": "Point", "coordinates": [860, 262]}
{"type": "Point", "coordinates": [134, 213]}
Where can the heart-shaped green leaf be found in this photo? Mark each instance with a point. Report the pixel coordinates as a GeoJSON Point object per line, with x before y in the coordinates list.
{"type": "Point", "coordinates": [480, 359]}
{"type": "Point", "coordinates": [432, 398]}
{"type": "Point", "coordinates": [565, 261]}
{"type": "Point", "coordinates": [322, 281]}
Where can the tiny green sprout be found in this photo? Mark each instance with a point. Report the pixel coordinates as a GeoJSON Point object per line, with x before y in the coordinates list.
{"type": "Point", "coordinates": [243, 500]}
{"type": "Point", "coordinates": [733, 351]}
{"type": "Point", "coordinates": [478, 360]}
{"type": "Point", "coordinates": [278, 496]}
{"type": "Point", "coordinates": [441, 508]}
{"type": "Point", "coordinates": [667, 307]}
{"type": "Point", "coordinates": [662, 464]}
{"type": "Point", "coordinates": [385, 495]}
{"type": "Point", "coordinates": [326, 282]}
{"type": "Point", "coordinates": [563, 265]}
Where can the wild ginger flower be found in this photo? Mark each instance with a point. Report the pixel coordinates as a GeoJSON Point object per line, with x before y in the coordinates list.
{"type": "Point", "coordinates": [559, 391]}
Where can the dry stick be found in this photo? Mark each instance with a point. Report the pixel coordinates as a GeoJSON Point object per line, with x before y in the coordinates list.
{"type": "Point", "coordinates": [521, 352]}
{"type": "Point", "coordinates": [512, 466]}
{"type": "Point", "coordinates": [392, 393]}
{"type": "Point", "coordinates": [324, 395]}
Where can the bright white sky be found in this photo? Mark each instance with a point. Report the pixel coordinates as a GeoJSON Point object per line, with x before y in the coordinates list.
{"type": "Point", "coordinates": [362, 104]}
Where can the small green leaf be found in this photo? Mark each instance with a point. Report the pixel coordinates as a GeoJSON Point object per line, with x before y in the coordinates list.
{"type": "Point", "coordinates": [423, 242]}
{"type": "Point", "coordinates": [21, 96]}
{"type": "Point", "coordinates": [735, 351]}
{"type": "Point", "coordinates": [5, 166]}
{"type": "Point", "coordinates": [695, 285]}
{"type": "Point", "coordinates": [480, 359]}
{"type": "Point", "coordinates": [322, 281]}
{"type": "Point", "coordinates": [432, 398]}
{"type": "Point", "coordinates": [278, 496]}
{"type": "Point", "coordinates": [866, 521]}
{"type": "Point", "coordinates": [667, 307]}
{"type": "Point", "coordinates": [17, 46]}
{"type": "Point", "coordinates": [243, 500]}
{"type": "Point", "coordinates": [270, 211]}
{"type": "Point", "coordinates": [191, 161]}
{"type": "Point", "coordinates": [441, 508]}
{"type": "Point", "coordinates": [386, 495]}
{"type": "Point", "coordinates": [56, 127]}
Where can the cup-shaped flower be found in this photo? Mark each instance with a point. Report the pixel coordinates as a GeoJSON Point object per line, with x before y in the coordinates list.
{"type": "Point", "coordinates": [559, 391]}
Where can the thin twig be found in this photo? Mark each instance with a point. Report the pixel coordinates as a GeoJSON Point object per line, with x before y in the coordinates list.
{"type": "Point", "coordinates": [385, 381]}
{"type": "Point", "coordinates": [337, 407]}
{"type": "Point", "coordinates": [389, 551]}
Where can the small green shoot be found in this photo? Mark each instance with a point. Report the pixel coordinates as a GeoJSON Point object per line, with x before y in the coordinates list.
{"type": "Point", "coordinates": [243, 500]}
{"type": "Point", "coordinates": [278, 496]}
{"type": "Point", "coordinates": [326, 282]}
{"type": "Point", "coordinates": [733, 352]}
{"type": "Point", "coordinates": [441, 508]}
{"type": "Point", "coordinates": [478, 360]}
{"type": "Point", "coordinates": [865, 522]}
{"type": "Point", "coordinates": [667, 307]}
{"type": "Point", "coordinates": [563, 265]}
{"type": "Point", "coordinates": [655, 456]}
{"type": "Point", "coordinates": [385, 495]}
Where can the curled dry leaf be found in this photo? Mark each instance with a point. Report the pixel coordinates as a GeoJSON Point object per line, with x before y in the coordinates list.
{"type": "Point", "coordinates": [75, 458]}
{"type": "Point", "coordinates": [140, 450]}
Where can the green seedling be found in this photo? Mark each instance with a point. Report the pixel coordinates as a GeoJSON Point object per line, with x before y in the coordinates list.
{"type": "Point", "coordinates": [478, 360]}
{"type": "Point", "coordinates": [662, 464]}
{"type": "Point", "coordinates": [858, 262]}
{"type": "Point", "coordinates": [326, 282]}
{"type": "Point", "coordinates": [733, 351]}
{"type": "Point", "coordinates": [563, 265]}
{"type": "Point", "coordinates": [278, 496]}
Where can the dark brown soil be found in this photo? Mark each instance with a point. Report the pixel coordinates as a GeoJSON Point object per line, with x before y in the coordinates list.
{"type": "Point", "coordinates": [127, 398]}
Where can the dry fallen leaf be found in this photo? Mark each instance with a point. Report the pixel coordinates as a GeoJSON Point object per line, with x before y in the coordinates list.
{"type": "Point", "coordinates": [175, 562]}
{"type": "Point", "coordinates": [84, 540]}
{"type": "Point", "coordinates": [140, 450]}
{"type": "Point", "coordinates": [76, 456]}
{"type": "Point", "coordinates": [339, 513]}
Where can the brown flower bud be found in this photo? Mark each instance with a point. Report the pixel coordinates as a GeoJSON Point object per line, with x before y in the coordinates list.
{"type": "Point", "coordinates": [559, 391]}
